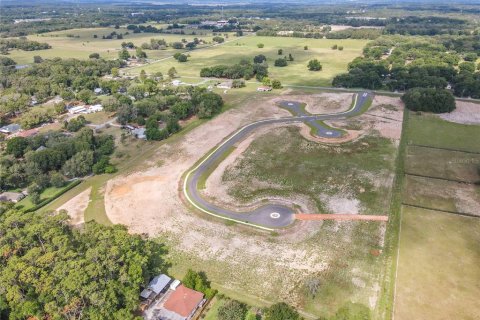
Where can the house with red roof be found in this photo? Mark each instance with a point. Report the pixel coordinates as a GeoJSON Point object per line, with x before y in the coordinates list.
{"type": "Point", "coordinates": [181, 304]}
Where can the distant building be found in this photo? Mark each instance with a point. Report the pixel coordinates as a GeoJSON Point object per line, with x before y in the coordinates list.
{"type": "Point", "coordinates": [11, 128]}
{"type": "Point", "coordinates": [11, 196]}
{"type": "Point", "coordinates": [94, 108]}
{"type": "Point", "coordinates": [77, 109]}
{"type": "Point", "coordinates": [181, 304]}
{"type": "Point", "coordinates": [264, 88]}
{"type": "Point", "coordinates": [225, 85]}
{"type": "Point", "coordinates": [139, 133]}
{"type": "Point", "coordinates": [176, 83]}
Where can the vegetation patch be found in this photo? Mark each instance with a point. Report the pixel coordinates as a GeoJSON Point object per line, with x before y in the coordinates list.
{"type": "Point", "coordinates": [350, 172]}
{"type": "Point", "coordinates": [439, 258]}
{"type": "Point", "coordinates": [429, 130]}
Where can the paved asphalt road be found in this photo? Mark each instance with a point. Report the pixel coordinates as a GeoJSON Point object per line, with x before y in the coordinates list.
{"type": "Point", "coordinates": [269, 216]}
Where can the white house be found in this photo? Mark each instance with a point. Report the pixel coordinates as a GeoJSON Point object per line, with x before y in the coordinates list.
{"type": "Point", "coordinates": [77, 109]}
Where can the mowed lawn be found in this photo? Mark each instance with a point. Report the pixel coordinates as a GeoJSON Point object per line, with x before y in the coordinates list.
{"type": "Point", "coordinates": [296, 73]}
{"type": "Point", "coordinates": [438, 272]}
{"type": "Point", "coordinates": [82, 46]}
{"type": "Point", "coordinates": [430, 130]}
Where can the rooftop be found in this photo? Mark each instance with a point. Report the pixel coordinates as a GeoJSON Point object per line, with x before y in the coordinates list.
{"type": "Point", "coordinates": [159, 283]}
{"type": "Point", "coordinates": [11, 128]}
{"type": "Point", "coordinates": [183, 301]}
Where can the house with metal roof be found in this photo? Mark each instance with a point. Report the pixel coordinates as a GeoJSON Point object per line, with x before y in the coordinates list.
{"type": "Point", "coordinates": [11, 196]}
{"type": "Point", "coordinates": [156, 286]}
{"type": "Point", "coordinates": [11, 128]}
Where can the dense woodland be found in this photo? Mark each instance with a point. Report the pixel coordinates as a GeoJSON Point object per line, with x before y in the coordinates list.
{"type": "Point", "coordinates": [245, 69]}
{"type": "Point", "coordinates": [401, 63]}
{"type": "Point", "coordinates": [47, 160]}
{"type": "Point", "coordinates": [51, 271]}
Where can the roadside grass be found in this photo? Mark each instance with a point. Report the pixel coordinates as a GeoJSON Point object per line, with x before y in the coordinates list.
{"type": "Point", "coordinates": [384, 308]}
{"type": "Point", "coordinates": [438, 266]}
{"type": "Point", "coordinates": [445, 164]}
{"type": "Point", "coordinates": [348, 171]}
{"type": "Point", "coordinates": [351, 275]}
{"type": "Point", "coordinates": [430, 130]}
{"type": "Point", "coordinates": [203, 178]}
{"type": "Point", "coordinates": [333, 62]}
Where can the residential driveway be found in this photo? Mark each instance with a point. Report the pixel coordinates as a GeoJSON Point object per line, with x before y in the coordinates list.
{"type": "Point", "coordinates": [272, 215]}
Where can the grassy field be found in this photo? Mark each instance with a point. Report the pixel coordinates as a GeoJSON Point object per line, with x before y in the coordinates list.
{"type": "Point", "coordinates": [348, 173]}
{"type": "Point", "coordinates": [454, 196]}
{"type": "Point", "coordinates": [83, 43]}
{"type": "Point", "coordinates": [430, 130]}
{"type": "Point", "coordinates": [443, 164]}
{"type": "Point", "coordinates": [439, 254]}
{"type": "Point", "coordinates": [438, 269]}
{"type": "Point", "coordinates": [351, 251]}
{"type": "Point", "coordinates": [296, 72]}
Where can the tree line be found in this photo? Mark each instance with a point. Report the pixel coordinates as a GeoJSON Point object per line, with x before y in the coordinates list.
{"type": "Point", "coordinates": [402, 63]}
{"type": "Point", "coordinates": [21, 44]}
{"type": "Point", "coordinates": [244, 69]}
{"type": "Point", "coordinates": [51, 271]}
{"type": "Point", "coordinates": [47, 160]}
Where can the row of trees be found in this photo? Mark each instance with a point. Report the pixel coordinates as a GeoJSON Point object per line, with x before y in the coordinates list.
{"type": "Point", "coordinates": [21, 44]}
{"type": "Point", "coordinates": [245, 69]}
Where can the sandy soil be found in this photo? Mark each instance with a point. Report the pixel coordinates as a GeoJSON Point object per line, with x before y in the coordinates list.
{"type": "Point", "coordinates": [465, 113]}
{"type": "Point", "coordinates": [76, 206]}
{"type": "Point", "coordinates": [323, 102]}
{"type": "Point", "coordinates": [149, 202]}
{"type": "Point", "coordinates": [384, 116]}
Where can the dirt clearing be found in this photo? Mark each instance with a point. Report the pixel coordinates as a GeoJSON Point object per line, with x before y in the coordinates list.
{"type": "Point", "coordinates": [465, 113]}
{"type": "Point", "coordinates": [76, 206]}
{"type": "Point", "coordinates": [240, 260]}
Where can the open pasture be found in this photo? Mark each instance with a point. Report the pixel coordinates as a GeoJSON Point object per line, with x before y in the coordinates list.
{"type": "Point", "coordinates": [295, 73]}
{"type": "Point", "coordinates": [80, 43]}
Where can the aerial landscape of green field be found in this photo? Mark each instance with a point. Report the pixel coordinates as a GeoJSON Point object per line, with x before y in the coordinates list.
{"type": "Point", "coordinates": [239, 160]}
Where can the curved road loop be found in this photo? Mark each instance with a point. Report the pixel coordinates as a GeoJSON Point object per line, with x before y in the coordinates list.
{"type": "Point", "coordinates": [270, 216]}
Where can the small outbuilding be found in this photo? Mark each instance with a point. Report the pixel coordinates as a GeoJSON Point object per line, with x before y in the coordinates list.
{"type": "Point", "coordinates": [264, 88]}
{"type": "Point", "coordinates": [11, 128]}
{"type": "Point", "coordinates": [77, 109]}
{"type": "Point", "coordinates": [155, 287]}
{"type": "Point", "coordinates": [11, 196]}
{"type": "Point", "coordinates": [225, 85]}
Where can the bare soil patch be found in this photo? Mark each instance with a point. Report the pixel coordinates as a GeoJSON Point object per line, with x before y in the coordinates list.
{"type": "Point", "coordinates": [465, 113]}
{"type": "Point", "coordinates": [76, 206]}
{"type": "Point", "coordinates": [149, 202]}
